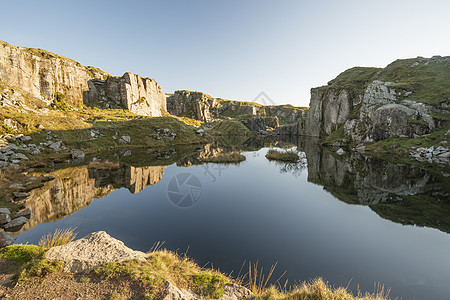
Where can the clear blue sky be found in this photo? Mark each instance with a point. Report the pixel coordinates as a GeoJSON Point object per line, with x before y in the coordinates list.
{"type": "Point", "coordinates": [236, 48]}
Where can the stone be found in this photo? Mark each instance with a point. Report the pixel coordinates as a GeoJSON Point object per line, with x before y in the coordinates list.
{"type": "Point", "coordinates": [24, 213]}
{"type": "Point", "coordinates": [16, 186]}
{"type": "Point", "coordinates": [340, 151]}
{"type": "Point", "coordinates": [236, 292]}
{"type": "Point", "coordinates": [19, 156]}
{"type": "Point", "coordinates": [6, 239]}
{"type": "Point", "coordinates": [232, 292]}
{"type": "Point", "coordinates": [444, 155]}
{"type": "Point", "coordinates": [127, 153]}
{"type": "Point", "coordinates": [125, 139]}
{"type": "Point", "coordinates": [26, 138]}
{"type": "Point", "coordinates": [20, 195]}
{"type": "Point", "coordinates": [4, 210]}
{"type": "Point", "coordinates": [91, 251]}
{"type": "Point", "coordinates": [174, 293]}
{"type": "Point", "coordinates": [55, 145]}
{"type": "Point", "coordinates": [4, 218]}
{"type": "Point", "coordinates": [360, 148]}
{"type": "Point", "coordinates": [16, 224]}
{"type": "Point", "coordinates": [77, 154]}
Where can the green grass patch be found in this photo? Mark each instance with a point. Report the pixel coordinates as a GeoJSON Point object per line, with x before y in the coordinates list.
{"type": "Point", "coordinates": [209, 284]}
{"type": "Point", "coordinates": [162, 266]}
{"type": "Point", "coordinates": [29, 260]}
{"type": "Point", "coordinates": [285, 156]}
{"type": "Point", "coordinates": [230, 127]}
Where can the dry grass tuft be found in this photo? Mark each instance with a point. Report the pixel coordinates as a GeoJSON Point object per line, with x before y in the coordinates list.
{"type": "Point", "coordinates": [58, 238]}
{"type": "Point", "coordinates": [286, 156]}
{"type": "Point", "coordinates": [318, 289]}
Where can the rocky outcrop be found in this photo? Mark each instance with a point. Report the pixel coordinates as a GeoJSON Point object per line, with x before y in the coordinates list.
{"type": "Point", "coordinates": [200, 106]}
{"type": "Point", "coordinates": [370, 110]}
{"type": "Point", "coordinates": [43, 74]}
{"type": "Point", "coordinates": [35, 77]}
{"type": "Point", "coordinates": [232, 292]}
{"type": "Point", "coordinates": [142, 96]}
{"type": "Point", "coordinates": [94, 249]}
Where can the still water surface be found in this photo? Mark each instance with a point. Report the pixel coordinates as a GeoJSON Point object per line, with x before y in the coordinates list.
{"type": "Point", "coordinates": [271, 212]}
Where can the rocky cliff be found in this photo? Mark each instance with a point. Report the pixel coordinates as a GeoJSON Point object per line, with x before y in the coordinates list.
{"type": "Point", "coordinates": [408, 98]}
{"type": "Point", "coordinates": [142, 96]}
{"type": "Point", "coordinates": [200, 106]}
{"type": "Point", "coordinates": [42, 77]}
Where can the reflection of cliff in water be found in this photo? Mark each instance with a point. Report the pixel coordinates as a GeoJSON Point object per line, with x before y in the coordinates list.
{"type": "Point", "coordinates": [75, 188]}
{"type": "Point", "coordinates": [402, 193]}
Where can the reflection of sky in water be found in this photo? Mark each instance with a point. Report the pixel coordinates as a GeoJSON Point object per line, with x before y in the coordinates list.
{"type": "Point", "coordinates": [255, 211]}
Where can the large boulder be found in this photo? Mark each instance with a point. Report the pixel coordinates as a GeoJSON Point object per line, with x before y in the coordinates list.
{"type": "Point", "coordinates": [91, 251]}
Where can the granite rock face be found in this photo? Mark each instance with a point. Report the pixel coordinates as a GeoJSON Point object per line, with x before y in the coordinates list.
{"type": "Point", "coordinates": [35, 77]}
{"type": "Point", "coordinates": [91, 251]}
{"type": "Point", "coordinates": [376, 114]}
{"type": "Point", "coordinates": [200, 106]}
{"type": "Point", "coordinates": [43, 74]}
{"type": "Point", "coordinates": [142, 96]}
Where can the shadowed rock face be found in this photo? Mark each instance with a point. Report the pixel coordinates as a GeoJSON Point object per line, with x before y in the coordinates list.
{"type": "Point", "coordinates": [402, 193]}
{"type": "Point", "coordinates": [75, 188]}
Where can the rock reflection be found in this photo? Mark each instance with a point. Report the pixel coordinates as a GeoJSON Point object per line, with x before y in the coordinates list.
{"type": "Point", "coordinates": [403, 193]}
{"type": "Point", "coordinates": [75, 188]}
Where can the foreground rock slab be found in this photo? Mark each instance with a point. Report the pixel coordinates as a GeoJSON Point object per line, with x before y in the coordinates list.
{"type": "Point", "coordinates": [232, 292]}
{"type": "Point", "coordinates": [83, 255]}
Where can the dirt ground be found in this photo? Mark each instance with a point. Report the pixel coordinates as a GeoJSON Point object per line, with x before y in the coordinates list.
{"type": "Point", "coordinates": [67, 286]}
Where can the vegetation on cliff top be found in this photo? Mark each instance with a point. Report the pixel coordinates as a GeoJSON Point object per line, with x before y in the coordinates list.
{"type": "Point", "coordinates": [426, 78]}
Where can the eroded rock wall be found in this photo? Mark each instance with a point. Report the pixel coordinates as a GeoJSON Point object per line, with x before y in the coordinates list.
{"type": "Point", "coordinates": [45, 76]}
{"type": "Point", "coordinates": [142, 96]}
{"type": "Point", "coordinates": [373, 115]}
{"type": "Point", "coordinates": [200, 106]}
{"type": "Point", "coordinates": [42, 74]}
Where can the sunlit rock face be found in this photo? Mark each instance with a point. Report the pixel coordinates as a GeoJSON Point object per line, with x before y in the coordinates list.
{"type": "Point", "coordinates": [357, 107]}
{"type": "Point", "coordinates": [75, 188]}
{"type": "Point", "coordinates": [200, 106]}
{"type": "Point", "coordinates": [43, 74]}
{"type": "Point", "coordinates": [142, 96]}
{"type": "Point", "coordinates": [369, 117]}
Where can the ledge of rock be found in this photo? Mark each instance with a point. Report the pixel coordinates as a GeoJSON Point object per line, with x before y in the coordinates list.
{"type": "Point", "coordinates": [91, 251]}
{"type": "Point", "coordinates": [232, 292]}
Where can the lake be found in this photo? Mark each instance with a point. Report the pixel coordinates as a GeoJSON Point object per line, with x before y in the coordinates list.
{"type": "Point", "coordinates": [352, 219]}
